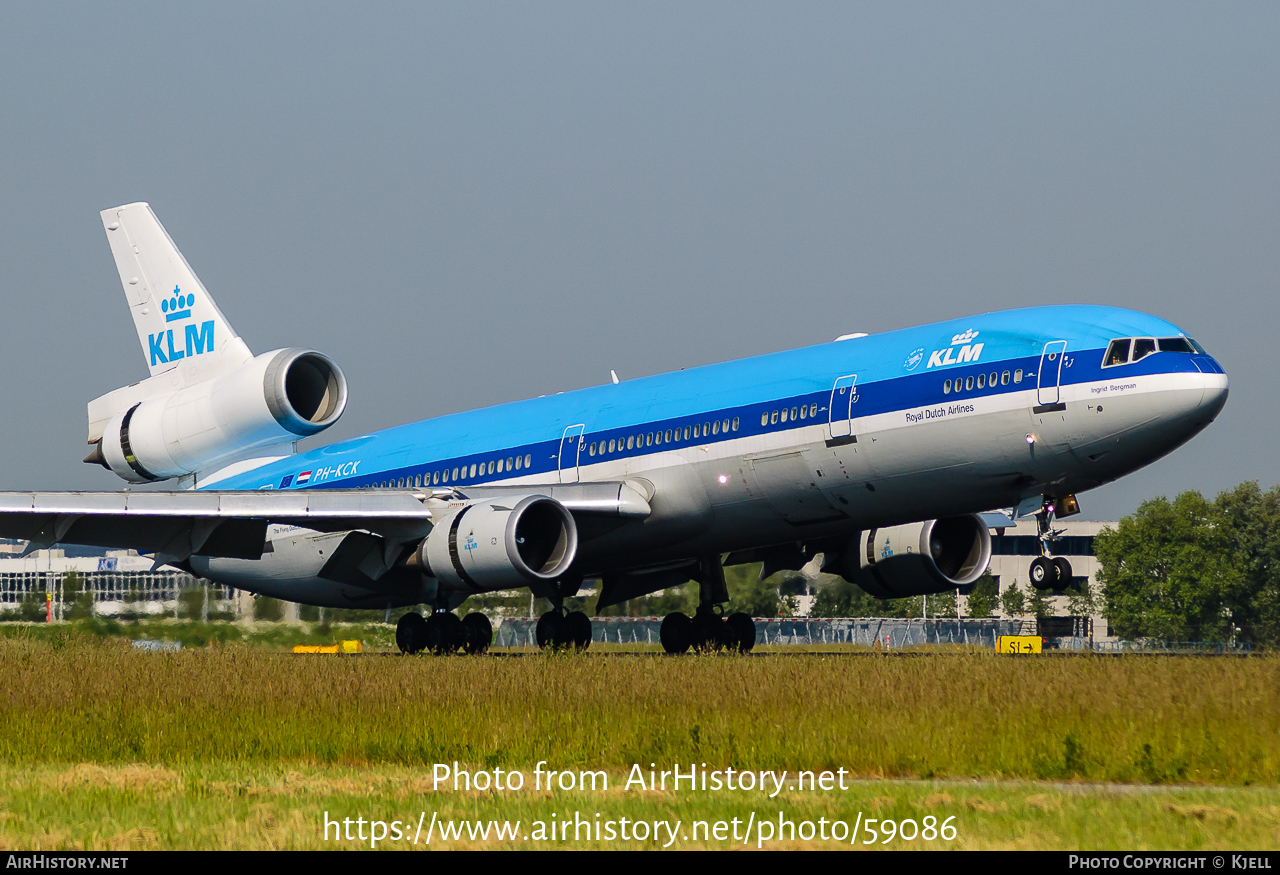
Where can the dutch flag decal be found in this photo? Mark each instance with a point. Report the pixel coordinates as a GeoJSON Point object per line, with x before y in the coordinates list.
{"type": "Point", "coordinates": [304, 477]}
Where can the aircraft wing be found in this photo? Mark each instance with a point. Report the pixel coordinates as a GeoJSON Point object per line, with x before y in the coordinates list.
{"type": "Point", "coordinates": [178, 525]}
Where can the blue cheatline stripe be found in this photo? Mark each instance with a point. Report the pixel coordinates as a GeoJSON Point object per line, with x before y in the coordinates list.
{"type": "Point", "coordinates": [789, 379]}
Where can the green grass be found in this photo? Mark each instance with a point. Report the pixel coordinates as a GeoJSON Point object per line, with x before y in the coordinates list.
{"type": "Point", "coordinates": [255, 807]}
{"type": "Point", "coordinates": [236, 746]}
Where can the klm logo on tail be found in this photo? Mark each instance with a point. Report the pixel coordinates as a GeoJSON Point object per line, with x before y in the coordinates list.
{"type": "Point", "coordinates": [198, 339]}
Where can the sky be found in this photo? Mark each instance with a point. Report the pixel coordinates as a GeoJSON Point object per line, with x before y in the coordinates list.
{"type": "Point", "coordinates": [466, 204]}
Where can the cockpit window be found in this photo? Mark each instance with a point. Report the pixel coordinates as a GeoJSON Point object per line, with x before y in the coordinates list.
{"type": "Point", "coordinates": [1117, 353]}
{"type": "Point", "coordinates": [1143, 347]}
{"type": "Point", "coordinates": [1175, 344]}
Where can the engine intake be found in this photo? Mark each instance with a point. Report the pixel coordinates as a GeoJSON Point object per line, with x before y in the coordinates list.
{"type": "Point", "coordinates": [920, 558]}
{"type": "Point", "coordinates": [492, 545]}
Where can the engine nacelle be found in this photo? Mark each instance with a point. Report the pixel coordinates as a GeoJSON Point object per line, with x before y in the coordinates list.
{"type": "Point", "coordinates": [493, 545]}
{"type": "Point", "coordinates": [919, 558]}
{"type": "Point", "coordinates": [276, 397]}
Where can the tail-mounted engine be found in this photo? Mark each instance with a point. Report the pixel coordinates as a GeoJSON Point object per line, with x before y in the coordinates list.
{"type": "Point", "coordinates": [918, 558]}
{"type": "Point", "coordinates": [499, 544]}
{"type": "Point", "coordinates": [275, 398]}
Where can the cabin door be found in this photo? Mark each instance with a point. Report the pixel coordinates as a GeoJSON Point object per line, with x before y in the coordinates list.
{"type": "Point", "coordinates": [1049, 376]}
{"type": "Point", "coordinates": [570, 449]}
{"type": "Point", "coordinates": [843, 397]}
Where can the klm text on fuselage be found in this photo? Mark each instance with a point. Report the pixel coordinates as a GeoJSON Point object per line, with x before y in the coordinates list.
{"type": "Point", "coordinates": [199, 340]}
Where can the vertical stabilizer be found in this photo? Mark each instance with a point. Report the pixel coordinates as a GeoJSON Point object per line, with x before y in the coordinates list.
{"type": "Point", "coordinates": [181, 329]}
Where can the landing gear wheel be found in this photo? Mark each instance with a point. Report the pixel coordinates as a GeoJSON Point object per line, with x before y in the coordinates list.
{"type": "Point", "coordinates": [477, 633]}
{"type": "Point", "coordinates": [444, 633]}
{"type": "Point", "coordinates": [1063, 568]}
{"type": "Point", "coordinates": [743, 630]}
{"type": "Point", "coordinates": [1044, 573]}
{"type": "Point", "coordinates": [411, 633]}
{"type": "Point", "coordinates": [552, 630]}
{"type": "Point", "coordinates": [709, 631]}
{"type": "Point", "coordinates": [676, 633]}
{"type": "Point", "coordinates": [578, 629]}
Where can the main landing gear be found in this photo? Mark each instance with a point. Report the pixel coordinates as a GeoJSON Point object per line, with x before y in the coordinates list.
{"type": "Point", "coordinates": [708, 630]}
{"type": "Point", "coordinates": [557, 630]}
{"type": "Point", "coordinates": [443, 632]}
{"type": "Point", "coordinates": [1049, 572]}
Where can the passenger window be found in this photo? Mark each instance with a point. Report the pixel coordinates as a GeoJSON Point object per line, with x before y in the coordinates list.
{"type": "Point", "coordinates": [784, 415]}
{"type": "Point", "coordinates": [793, 414]}
{"type": "Point", "coordinates": [946, 387]}
{"type": "Point", "coordinates": [968, 383]}
{"type": "Point", "coordinates": [1017, 375]}
{"type": "Point", "coordinates": [630, 441]}
{"type": "Point", "coordinates": [992, 378]}
{"type": "Point", "coordinates": [1004, 378]}
{"type": "Point", "coordinates": [473, 470]}
{"type": "Point", "coordinates": [435, 478]}
{"type": "Point", "coordinates": [519, 462]}
{"type": "Point", "coordinates": [400, 483]}
{"type": "Point", "coordinates": [491, 467]}
{"type": "Point", "coordinates": [456, 473]}
{"type": "Point", "coordinates": [735, 423]}
{"type": "Point", "coordinates": [1175, 344]}
{"type": "Point", "coordinates": [813, 409]}
{"type": "Point", "coordinates": [697, 431]}
{"type": "Point", "coordinates": [417, 481]}
{"type": "Point", "coordinates": [686, 432]}
{"type": "Point", "coordinates": [1143, 347]}
{"type": "Point", "coordinates": [1117, 353]}
{"type": "Point", "coordinates": [715, 427]}
{"type": "Point", "coordinates": [764, 418]}
{"type": "Point", "coordinates": [706, 428]}
{"type": "Point", "coordinates": [528, 460]}
{"type": "Point", "coordinates": [982, 380]}
{"type": "Point", "coordinates": [804, 412]}
{"type": "Point", "coordinates": [612, 445]}
{"type": "Point", "coordinates": [667, 436]}
{"type": "Point", "coordinates": [509, 468]}
{"type": "Point", "coordinates": [591, 449]}
{"type": "Point", "coordinates": [648, 439]}
{"type": "Point", "coordinates": [724, 426]}
{"type": "Point", "coordinates": [773, 417]}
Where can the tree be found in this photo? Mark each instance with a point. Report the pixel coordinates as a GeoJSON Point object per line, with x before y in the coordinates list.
{"type": "Point", "coordinates": [1174, 570]}
{"type": "Point", "coordinates": [982, 600]}
{"type": "Point", "coordinates": [1013, 601]}
{"type": "Point", "coordinates": [1039, 605]}
{"type": "Point", "coordinates": [77, 602]}
{"type": "Point", "coordinates": [1255, 525]}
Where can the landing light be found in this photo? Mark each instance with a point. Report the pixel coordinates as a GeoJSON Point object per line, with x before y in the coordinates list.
{"type": "Point", "coordinates": [1031, 439]}
{"type": "Point", "coordinates": [723, 478]}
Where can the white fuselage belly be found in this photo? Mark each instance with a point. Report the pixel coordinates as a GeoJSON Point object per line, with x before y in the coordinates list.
{"type": "Point", "coordinates": [964, 456]}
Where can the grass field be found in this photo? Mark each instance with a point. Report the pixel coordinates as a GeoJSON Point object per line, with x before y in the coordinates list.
{"type": "Point", "coordinates": [104, 746]}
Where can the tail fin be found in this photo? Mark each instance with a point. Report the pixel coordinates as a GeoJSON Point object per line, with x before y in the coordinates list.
{"type": "Point", "coordinates": [179, 325]}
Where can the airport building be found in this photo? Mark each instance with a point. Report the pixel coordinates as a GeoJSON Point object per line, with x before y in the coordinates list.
{"type": "Point", "coordinates": [122, 583]}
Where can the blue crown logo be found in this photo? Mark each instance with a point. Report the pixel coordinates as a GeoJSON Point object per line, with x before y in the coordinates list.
{"type": "Point", "coordinates": [177, 307]}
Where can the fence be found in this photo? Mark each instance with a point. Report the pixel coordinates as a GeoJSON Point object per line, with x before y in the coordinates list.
{"type": "Point", "coordinates": [112, 591]}
{"type": "Point", "coordinates": [889, 633]}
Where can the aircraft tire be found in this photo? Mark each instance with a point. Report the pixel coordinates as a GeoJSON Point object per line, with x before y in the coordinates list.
{"type": "Point", "coordinates": [411, 633]}
{"type": "Point", "coordinates": [1063, 567]}
{"type": "Point", "coordinates": [709, 631]}
{"type": "Point", "coordinates": [743, 630]}
{"type": "Point", "coordinates": [676, 633]}
{"type": "Point", "coordinates": [1043, 573]}
{"type": "Point", "coordinates": [578, 628]}
{"type": "Point", "coordinates": [477, 632]}
{"type": "Point", "coordinates": [551, 631]}
{"type": "Point", "coordinates": [444, 633]}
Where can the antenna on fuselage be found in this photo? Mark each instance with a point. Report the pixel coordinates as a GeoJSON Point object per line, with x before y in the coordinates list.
{"type": "Point", "coordinates": [614, 375]}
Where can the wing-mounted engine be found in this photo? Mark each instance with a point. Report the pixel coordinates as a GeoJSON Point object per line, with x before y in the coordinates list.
{"type": "Point", "coordinates": [273, 399]}
{"type": "Point", "coordinates": [917, 558]}
{"type": "Point", "coordinates": [497, 544]}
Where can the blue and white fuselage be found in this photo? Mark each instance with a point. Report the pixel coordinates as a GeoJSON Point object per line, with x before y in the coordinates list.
{"type": "Point", "coordinates": [927, 422]}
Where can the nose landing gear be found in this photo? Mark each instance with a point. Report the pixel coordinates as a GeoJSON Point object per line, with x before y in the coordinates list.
{"type": "Point", "coordinates": [1049, 572]}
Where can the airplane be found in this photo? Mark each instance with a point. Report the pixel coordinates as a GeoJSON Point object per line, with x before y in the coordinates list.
{"type": "Point", "coordinates": [876, 453]}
